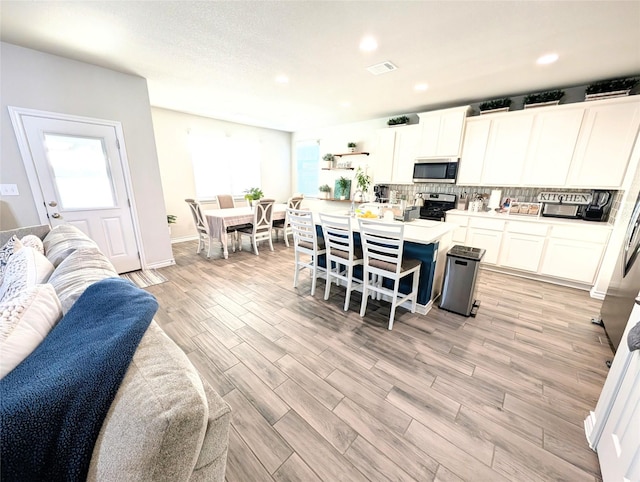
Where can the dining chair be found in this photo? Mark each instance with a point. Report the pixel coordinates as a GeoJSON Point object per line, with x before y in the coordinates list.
{"type": "Point", "coordinates": [201, 226]}
{"type": "Point", "coordinates": [260, 229]}
{"type": "Point", "coordinates": [283, 224]}
{"type": "Point", "coordinates": [382, 246]}
{"type": "Point", "coordinates": [342, 254]}
{"type": "Point", "coordinates": [225, 201]}
{"type": "Point", "coordinates": [306, 243]}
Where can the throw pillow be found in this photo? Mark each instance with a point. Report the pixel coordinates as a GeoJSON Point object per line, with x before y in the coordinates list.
{"type": "Point", "coordinates": [77, 271]}
{"type": "Point", "coordinates": [25, 321]}
{"type": "Point", "coordinates": [64, 239]}
{"type": "Point", "coordinates": [32, 241]}
{"type": "Point", "coordinates": [25, 268]}
{"type": "Point", "coordinates": [5, 253]}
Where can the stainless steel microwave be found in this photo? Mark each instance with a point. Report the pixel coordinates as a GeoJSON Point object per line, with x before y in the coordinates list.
{"type": "Point", "coordinates": [435, 170]}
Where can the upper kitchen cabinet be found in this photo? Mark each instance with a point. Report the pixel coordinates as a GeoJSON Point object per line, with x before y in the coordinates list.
{"type": "Point", "coordinates": [395, 154]}
{"type": "Point", "coordinates": [476, 137]}
{"type": "Point", "coordinates": [605, 142]}
{"type": "Point", "coordinates": [507, 150]}
{"type": "Point", "coordinates": [553, 140]}
{"type": "Point", "coordinates": [441, 132]}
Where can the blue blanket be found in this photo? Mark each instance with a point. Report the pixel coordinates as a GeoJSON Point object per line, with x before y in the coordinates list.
{"type": "Point", "coordinates": [53, 404]}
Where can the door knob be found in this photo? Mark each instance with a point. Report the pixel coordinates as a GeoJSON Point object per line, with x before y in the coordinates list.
{"type": "Point", "coordinates": [55, 215]}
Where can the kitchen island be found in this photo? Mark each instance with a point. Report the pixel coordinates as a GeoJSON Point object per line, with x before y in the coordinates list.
{"type": "Point", "coordinates": [425, 240]}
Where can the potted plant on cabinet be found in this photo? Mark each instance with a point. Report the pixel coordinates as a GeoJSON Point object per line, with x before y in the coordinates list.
{"type": "Point", "coordinates": [551, 97]}
{"type": "Point", "coordinates": [363, 181]}
{"type": "Point", "coordinates": [496, 105]}
{"type": "Point", "coordinates": [343, 188]}
{"type": "Point", "coordinates": [252, 195]}
{"type": "Point", "coordinates": [352, 146]}
{"type": "Point", "coordinates": [607, 89]}
{"type": "Point", "coordinates": [325, 190]}
{"type": "Point", "coordinates": [327, 161]}
{"type": "Point", "coordinates": [398, 121]}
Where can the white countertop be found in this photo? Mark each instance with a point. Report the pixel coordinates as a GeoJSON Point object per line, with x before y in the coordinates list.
{"type": "Point", "coordinates": [531, 219]}
{"type": "Point", "coordinates": [419, 231]}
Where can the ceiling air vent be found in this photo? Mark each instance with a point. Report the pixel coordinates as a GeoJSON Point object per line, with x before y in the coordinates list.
{"type": "Point", "coordinates": [382, 68]}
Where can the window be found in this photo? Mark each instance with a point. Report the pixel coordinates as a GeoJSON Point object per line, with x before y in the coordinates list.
{"type": "Point", "coordinates": [224, 165]}
{"type": "Point", "coordinates": [307, 162]}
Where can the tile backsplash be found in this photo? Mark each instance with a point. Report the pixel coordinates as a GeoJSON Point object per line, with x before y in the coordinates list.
{"type": "Point", "coordinates": [522, 194]}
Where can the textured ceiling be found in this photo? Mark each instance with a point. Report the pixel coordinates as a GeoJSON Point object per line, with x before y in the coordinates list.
{"type": "Point", "coordinates": [220, 58]}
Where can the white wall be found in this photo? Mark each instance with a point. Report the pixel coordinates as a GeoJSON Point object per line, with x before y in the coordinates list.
{"type": "Point", "coordinates": [36, 80]}
{"type": "Point", "coordinates": [171, 132]}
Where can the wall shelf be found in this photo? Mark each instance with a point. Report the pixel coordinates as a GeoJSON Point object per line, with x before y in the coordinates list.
{"type": "Point", "coordinates": [352, 154]}
{"type": "Point", "coordinates": [338, 169]}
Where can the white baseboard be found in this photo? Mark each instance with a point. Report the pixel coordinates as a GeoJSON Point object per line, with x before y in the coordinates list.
{"type": "Point", "coordinates": [161, 264]}
{"type": "Point", "coordinates": [589, 424]}
{"type": "Point", "coordinates": [598, 295]}
{"type": "Point", "coordinates": [182, 239]}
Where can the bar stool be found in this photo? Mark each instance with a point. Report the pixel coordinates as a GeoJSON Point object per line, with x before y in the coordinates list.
{"type": "Point", "coordinates": [382, 245]}
{"type": "Point", "coordinates": [307, 243]}
{"type": "Point", "coordinates": [341, 252]}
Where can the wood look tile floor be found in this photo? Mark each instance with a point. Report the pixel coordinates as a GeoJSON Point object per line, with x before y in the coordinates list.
{"type": "Point", "coordinates": [322, 394]}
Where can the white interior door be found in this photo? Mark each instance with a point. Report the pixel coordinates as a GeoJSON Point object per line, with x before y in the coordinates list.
{"type": "Point", "coordinates": [82, 181]}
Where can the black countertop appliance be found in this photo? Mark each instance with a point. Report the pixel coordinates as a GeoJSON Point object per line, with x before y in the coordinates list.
{"type": "Point", "coordinates": [598, 209]}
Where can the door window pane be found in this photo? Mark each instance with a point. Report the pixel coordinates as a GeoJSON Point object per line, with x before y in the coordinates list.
{"type": "Point", "coordinates": [81, 171]}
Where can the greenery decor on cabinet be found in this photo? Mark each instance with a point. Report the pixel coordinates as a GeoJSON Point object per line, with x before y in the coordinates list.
{"type": "Point", "coordinates": [327, 161]}
{"type": "Point", "coordinates": [397, 121]}
{"type": "Point", "coordinates": [325, 190]}
{"type": "Point", "coordinates": [495, 105]}
{"type": "Point", "coordinates": [610, 88]}
{"type": "Point", "coordinates": [551, 97]}
{"type": "Point", "coordinates": [343, 188]}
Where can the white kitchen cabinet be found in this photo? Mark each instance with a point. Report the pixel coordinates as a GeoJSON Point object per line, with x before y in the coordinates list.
{"type": "Point", "coordinates": [507, 150]}
{"type": "Point", "coordinates": [474, 147]}
{"type": "Point", "coordinates": [383, 155]}
{"type": "Point", "coordinates": [460, 233]}
{"type": "Point", "coordinates": [441, 132]}
{"type": "Point", "coordinates": [522, 245]}
{"type": "Point", "coordinates": [604, 145]}
{"type": "Point", "coordinates": [553, 140]}
{"type": "Point", "coordinates": [574, 253]}
{"type": "Point", "coordinates": [487, 234]}
{"type": "Point", "coordinates": [406, 145]}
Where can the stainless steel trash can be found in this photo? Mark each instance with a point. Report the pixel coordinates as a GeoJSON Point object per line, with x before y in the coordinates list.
{"type": "Point", "coordinates": [458, 290]}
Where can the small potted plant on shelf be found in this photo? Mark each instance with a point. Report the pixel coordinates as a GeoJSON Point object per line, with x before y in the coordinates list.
{"type": "Point", "coordinates": [171, 219]}
{"type": "Point", "coordinates": [496, 105]}
{"type": "Point", "coordinates": [398, 121]}
{"type": "Point", "coordinates": [352, 146]}
{"type": "Point", "coordinates": [344, 186]}
{"type": "Point", "coordinates": [607, 89]}
{"type": "Point", "coordinates": [551, 97]}
{"type": "Point", "coordinates": [363, 181]}
{"type": "Point", "coordinates": [325, 190]}
{"type": "Point", "coordinates": [327, 161]}
{"type": "Point", "coordinates": [252, 195]}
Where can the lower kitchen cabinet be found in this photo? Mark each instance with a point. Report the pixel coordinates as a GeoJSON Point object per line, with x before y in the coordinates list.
{"type": "Point", "coordinates": [569, 252]}
{"type": "Point", "coordinates": [572, 260]}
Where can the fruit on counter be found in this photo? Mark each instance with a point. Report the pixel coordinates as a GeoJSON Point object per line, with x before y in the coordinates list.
{"type": "Point", "coordinates": [368, 215]}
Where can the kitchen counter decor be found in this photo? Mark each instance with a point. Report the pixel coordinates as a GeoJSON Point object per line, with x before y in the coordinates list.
{"type": "Point", "coordinates": [398, 121]}
{"type": "Point", "coordinates": [551, 97]}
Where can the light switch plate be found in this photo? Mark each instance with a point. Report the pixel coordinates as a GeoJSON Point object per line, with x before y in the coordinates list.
{"type": "Point", "coordinates": [9, 190]}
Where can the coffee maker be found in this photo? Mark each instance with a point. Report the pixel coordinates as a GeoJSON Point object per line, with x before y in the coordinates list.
{"type": "Point", "coordinates": [381, 192]}
{"type": "Point", "coordinates": [598, 209]}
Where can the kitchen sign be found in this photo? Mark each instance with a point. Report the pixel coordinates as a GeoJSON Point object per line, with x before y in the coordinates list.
{"type": "Point", "coordinates": [565, 197]}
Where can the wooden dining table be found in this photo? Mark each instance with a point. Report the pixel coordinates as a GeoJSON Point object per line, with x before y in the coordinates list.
{"type": "Point", "coordinates": [219, 220]}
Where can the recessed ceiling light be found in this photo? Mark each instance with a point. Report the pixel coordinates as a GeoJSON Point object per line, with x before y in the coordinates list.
{"type": "Point", "coordinates": [345, 104]}
{"type": "Point", "coordinates": [282, 79]}
{"type": "Point", "coordinates": [421, 87]}
{"type": "Point", "coordinates": [547, 59]}
{"type": "Point", "coordinates": [368, 44]}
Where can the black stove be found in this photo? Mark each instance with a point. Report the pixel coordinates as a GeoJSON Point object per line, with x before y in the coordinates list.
{"type": "Point", "coordinates": [436, 204]}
